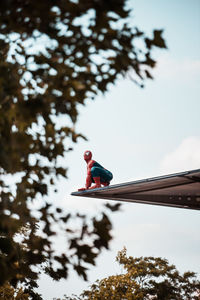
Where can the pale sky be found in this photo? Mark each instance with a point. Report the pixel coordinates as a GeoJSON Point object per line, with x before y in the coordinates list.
{"type": "Point", "coordinates": [139, 133]}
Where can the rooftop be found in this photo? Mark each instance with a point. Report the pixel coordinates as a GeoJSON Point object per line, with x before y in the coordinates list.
{"type": "Point", "coordinates": [175, 190]}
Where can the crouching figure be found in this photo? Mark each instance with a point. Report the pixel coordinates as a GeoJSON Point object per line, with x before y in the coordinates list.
{"type": "Point", "coordinates": [95, 173]}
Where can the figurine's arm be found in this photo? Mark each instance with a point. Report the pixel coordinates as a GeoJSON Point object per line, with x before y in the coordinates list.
{"type": "Point", "coordinates": [89, 177]}
{"type": "Point", "coordinates": [87, 184]}
{"type": "Point", "coordinates": [88, 181]}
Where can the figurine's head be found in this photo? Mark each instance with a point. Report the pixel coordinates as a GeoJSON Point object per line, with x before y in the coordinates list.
{"type": "Point", "coordinates": [87, 155]}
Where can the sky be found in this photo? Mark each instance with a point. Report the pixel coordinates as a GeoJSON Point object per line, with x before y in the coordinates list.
{"type": "Point", "coordinates": [140, 133]}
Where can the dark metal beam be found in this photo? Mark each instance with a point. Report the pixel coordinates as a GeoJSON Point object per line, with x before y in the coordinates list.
{"type": "Point", "coordinates": [175, 190]}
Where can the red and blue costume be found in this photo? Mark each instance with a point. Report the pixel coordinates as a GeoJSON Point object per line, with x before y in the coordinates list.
{"type": "Point", "coordinates": [95, 173]}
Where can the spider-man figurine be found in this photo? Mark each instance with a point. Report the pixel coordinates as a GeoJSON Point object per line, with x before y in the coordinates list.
{"type": "Point", "coordinates": [95, 173]}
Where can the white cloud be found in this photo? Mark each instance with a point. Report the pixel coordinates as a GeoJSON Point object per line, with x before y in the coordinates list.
{"type": "Point", "coordinates": [185, 157]}
{"type": "Point", "coordinates": [183, 69]}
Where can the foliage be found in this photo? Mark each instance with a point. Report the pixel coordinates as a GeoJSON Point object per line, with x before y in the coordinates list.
{"type": "Point", "coordinates": [54, 55]}
{"type": "Point", "coordinates": [7, 292]}
{"type": "Point", "coordinates": [144, 278]}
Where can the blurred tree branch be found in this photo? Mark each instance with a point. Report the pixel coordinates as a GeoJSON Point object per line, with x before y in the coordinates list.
{"type": "Point", "coordinates": [54, 55]}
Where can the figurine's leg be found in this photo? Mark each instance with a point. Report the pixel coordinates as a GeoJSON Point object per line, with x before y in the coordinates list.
{"type": "Point", "coordinates": [106, 177]}
{"type": "Point", "coordinates": [95, 174]}
{"type": "Point", "coordinates": [100, 176]}
{"type": "Point", "coordinates": [97, 183]}
{"type": "Point", "coordinates": [105, 183]}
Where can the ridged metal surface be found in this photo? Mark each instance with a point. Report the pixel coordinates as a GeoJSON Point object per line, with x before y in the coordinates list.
{"type": "Point", "coordinates": [174, 190]}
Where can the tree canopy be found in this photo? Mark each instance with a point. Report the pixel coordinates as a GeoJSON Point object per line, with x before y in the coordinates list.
{"type": "Point", "coordinates": [54, 55]}
{"type": "Point", "coordinates": [7, 292]}
{"type": "Point", "coordinates": [144, 278]}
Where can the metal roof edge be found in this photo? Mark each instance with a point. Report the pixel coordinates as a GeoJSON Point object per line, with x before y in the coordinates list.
{"type": "Point", "coordinates": [179, 174]}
